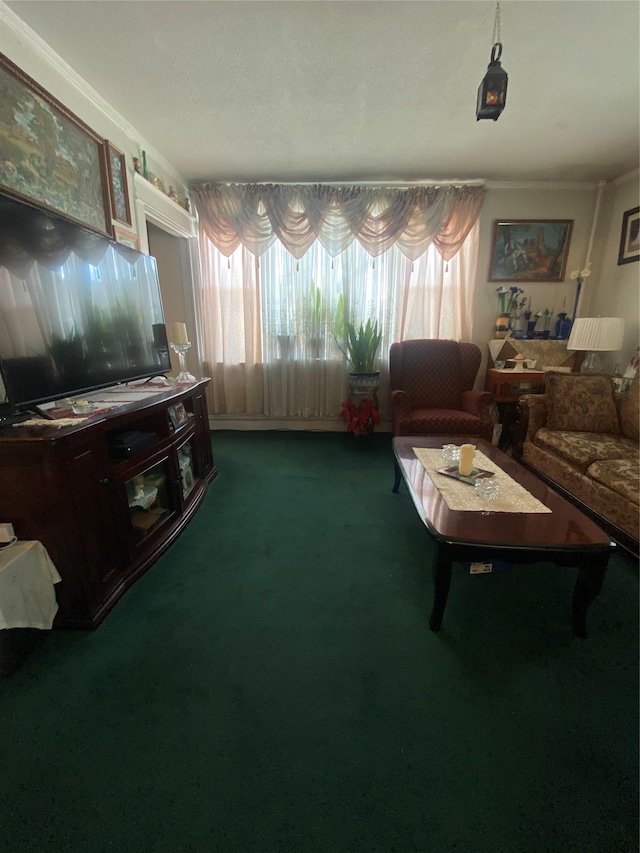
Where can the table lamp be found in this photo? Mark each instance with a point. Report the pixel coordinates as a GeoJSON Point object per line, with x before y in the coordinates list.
{"type": "Point", "coordinates": [594, 335]}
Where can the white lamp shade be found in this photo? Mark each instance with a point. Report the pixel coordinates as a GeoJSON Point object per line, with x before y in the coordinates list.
{"type": "Point", "coordinates": [597, 334]}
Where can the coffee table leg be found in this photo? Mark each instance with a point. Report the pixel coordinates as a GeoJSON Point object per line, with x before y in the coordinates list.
{"type": "Point", "coordinates": [591, 574]}
{"type": "Point", "coordinates": [398, 475]}
{"type": "Point", "coordinates": [442, 582]}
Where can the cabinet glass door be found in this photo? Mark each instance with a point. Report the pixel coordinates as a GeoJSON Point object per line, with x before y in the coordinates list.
{"type": "Point", "coordinates": [149, 499]}
{"type": "Point", "coordinates": [186, 467]}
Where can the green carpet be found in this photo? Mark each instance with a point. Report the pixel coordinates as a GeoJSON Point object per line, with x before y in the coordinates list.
{"type": "Point", "coordinates": [270, 684]}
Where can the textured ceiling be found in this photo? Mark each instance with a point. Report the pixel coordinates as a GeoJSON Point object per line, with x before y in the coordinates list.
{"type": "Point", "coordinates": [368, 91]}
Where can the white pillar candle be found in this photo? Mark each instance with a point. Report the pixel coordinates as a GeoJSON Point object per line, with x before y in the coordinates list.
{"type": "Point", "coordinates": [465, 465]}
{"type": "Point", "coordinates": [179, 333]}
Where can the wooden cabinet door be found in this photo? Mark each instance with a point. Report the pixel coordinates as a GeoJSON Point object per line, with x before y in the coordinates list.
{"type": "Point", "coordinates": [203, 436]}
{"type": "Point", "coordinates": [101, 536]}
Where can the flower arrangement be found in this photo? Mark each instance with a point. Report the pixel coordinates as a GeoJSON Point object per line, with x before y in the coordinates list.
{"type": "Point", "coordinates": [360, 417]}
{"type": "Point", "coordinates": [579, 275]}
{"type": "Point", "coordinates": [508, 299]}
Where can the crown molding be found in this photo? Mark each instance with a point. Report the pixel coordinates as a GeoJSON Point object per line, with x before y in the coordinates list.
{"type": "Point", "coordinates": [163, 211]}
{"type": "Point", "coordinates": [630, 176]}
{"type": "Point", "coordinates": [36, 44]}
{"type": "Point", "coordinates": [541, 185]}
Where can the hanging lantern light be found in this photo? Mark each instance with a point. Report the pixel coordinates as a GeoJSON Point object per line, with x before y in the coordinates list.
{"type": "Point", "coordinates": [492, 92]}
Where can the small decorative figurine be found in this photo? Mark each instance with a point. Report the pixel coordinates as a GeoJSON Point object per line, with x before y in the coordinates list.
{"type": "Point", "coordinates": [137, 166]}
{"type": "Point", "coordinates": [173, 195]}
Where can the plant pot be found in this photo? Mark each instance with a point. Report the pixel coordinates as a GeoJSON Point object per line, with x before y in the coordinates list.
{"type": "Point", "coordinates": [364, 385]}
{"type": "Point", "coordinates": [363, 441]}
{"type": "Point", "coordinates": [286, 345]}
{"type": "Point", "coordinates": [315, 347]}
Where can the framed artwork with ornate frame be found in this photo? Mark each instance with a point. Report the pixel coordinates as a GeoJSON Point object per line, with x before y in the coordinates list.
{"type": "Point", "coordinates": [50, 158]}
{"type": "Point", "coordinates": [630, 237]}
{"type": "Point", "coordinates": [126, 238]}
{"type": "Point", "coordinates": [530, 249]}
{"type": "Point", "coordinates": [118, 187]}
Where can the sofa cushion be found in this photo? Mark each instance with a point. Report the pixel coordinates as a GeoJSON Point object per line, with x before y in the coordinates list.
{"type": "Point", "coordinates": [619, 475]}
{"type": "Point", "coordinates": [629, 412]}
{"type": "Point", "coordinates": [580, 402]}
{"type": "Point", "coordinates": [603, 501]}
{"type": "Point", "coordinates": [581, 449]}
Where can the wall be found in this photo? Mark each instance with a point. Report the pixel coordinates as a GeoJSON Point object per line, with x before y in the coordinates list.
{"type": "Point", "coordinates": [610, 290]}
{"type": "Point", "coordinates": [23, 47]}
{"type": "Point", "coordinates": [616, 290]}
{"type": "Point", "coordinates": [532, 201]}
{"type": "Point", "coordinates": [166, 250]}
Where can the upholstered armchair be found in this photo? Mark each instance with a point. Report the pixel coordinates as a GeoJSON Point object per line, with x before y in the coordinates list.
{"type": "Point", "coordinates": [432, 390]}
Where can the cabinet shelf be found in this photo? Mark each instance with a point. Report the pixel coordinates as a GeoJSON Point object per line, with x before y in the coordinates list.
{"type": "Point", "coordinates": [97, 516]}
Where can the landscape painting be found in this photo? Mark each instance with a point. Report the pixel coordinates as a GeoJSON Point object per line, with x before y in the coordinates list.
{"type": "Point", "coordinates": [530, 249]}
{"type": "Point", "coordinates": [49, 157]}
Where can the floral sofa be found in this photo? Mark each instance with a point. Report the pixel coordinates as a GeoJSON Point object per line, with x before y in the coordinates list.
{"type": "Point", "coordinates": [583, 439]}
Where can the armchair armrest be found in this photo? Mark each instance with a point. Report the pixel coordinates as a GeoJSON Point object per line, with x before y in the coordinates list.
{"type": "Point", "coordinates": [478, 403]}
{"type": "Point", "coordinates": [400, 410]}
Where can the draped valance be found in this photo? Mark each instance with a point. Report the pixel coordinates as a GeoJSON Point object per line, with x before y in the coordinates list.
{"type": "Point", "coordinates": [255, 215]}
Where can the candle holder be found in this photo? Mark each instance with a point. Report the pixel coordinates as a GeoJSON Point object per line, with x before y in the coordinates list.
{"type": "Point", "coordinates": [184, 377]}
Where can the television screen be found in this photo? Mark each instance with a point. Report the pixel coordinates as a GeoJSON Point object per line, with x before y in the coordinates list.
{"type": "Point", "coordinates": [77, 312]}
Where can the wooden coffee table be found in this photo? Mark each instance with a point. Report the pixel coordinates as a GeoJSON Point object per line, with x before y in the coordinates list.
{"type": "Point", "coordinates": [565, 536]}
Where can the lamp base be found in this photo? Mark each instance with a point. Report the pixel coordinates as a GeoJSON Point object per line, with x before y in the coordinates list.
{"type": "Point", "coordinates": [592, 363]}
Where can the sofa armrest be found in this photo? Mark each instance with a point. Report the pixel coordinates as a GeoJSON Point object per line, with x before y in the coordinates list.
{"type": "Point", "coordinates": [532, 415]}
{"type": "Point", "coordinates": [478, 403]}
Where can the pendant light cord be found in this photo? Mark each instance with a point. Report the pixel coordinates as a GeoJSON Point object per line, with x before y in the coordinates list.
{"type": "Point", "coordinates": [496, 25]}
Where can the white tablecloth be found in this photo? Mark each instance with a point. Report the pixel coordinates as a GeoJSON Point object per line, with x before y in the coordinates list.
{"type": "Point", "coordinates": [27, 596]}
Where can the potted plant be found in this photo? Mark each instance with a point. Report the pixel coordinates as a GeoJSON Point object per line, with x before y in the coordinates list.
{"type": "Point", "coordinates": [314, 321]}
{"type": "Point", "coordinates": [360, 347]}
{"type": "Point", "coordinates": [361, 417]}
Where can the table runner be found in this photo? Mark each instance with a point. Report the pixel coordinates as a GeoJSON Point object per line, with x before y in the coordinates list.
{"type": "Point", "coordinates": [462, 496]}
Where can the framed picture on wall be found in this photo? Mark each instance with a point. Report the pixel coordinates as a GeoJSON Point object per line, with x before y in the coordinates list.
{"type": "Point", "coordinates": [50, 157]}
{"type": "Point", "coordinates": [530, 249]}
{"type": "Point", "coordinates": [126, 238]}
{"type": "Point", "coordinates": [630, 237]}
{"type": "Point", "coordinates": [118, 187]}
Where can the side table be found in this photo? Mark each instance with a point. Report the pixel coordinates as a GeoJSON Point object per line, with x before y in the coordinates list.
{"type": "Point", "coordinates": [507, 386]}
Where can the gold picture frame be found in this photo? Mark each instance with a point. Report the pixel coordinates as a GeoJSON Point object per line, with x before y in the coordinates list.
{"type": "Point", "coordinates": [529, 250]}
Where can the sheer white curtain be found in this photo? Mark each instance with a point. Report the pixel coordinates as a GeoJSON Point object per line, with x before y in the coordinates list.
{"type": "Point", "coordinates": [267, 322]}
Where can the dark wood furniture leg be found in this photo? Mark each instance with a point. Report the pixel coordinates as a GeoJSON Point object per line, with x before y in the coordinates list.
{"type": "Point", "coordinates": [398, 475]}
{"type": "Point", "coordinates": [441, 582]}
{"type": "Point", "coordinates": [591, 572]}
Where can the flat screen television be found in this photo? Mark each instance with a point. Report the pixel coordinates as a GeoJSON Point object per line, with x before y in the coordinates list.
{"type": "Point", "coordinates": [77, 311]}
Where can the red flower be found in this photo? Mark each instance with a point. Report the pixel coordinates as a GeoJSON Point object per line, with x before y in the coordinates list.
{"type": "Point", "coordinates": [360, 417]}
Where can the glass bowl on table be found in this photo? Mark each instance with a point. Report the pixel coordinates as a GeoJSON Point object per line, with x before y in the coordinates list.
{"type": "Point", "coordinates": [487, 489]}
{"type": "Point", "coordinates": [450, 453]}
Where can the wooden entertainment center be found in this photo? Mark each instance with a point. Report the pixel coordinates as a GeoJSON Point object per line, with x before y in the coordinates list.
{"type": "Point", "coordinates": [108, 495]}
